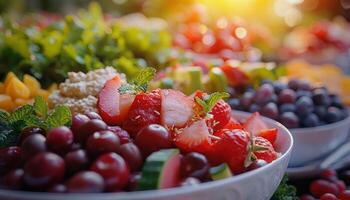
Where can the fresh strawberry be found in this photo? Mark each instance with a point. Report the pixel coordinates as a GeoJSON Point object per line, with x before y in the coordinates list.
{"type": "Point", "coordinates": [234, 75]}
{"type": "Point", "coordinates": [108, 104]}
{"type": "Point", "coordinates": [232, 148]}
{"type": "Point", "coordinates": [269, 154]}
{"type": "Point", "coordinates": [255, 124]}
{"type": "Point", "coordinates": [176, 108]}
{"type": "Point", "coordinates": [195, 137]}
{"type": "Point", "coordinates": [144, 110]}
{"type": "Point", "coordinates": [221, 113]}
{"type": "Point", "coordinates": [233, 124]}
{"type": "Point", "coordinates": [269, 134]}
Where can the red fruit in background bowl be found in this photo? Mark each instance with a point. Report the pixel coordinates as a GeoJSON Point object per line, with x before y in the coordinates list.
{"type": "Point", "coordinates": [144, 110]}
{"type": "Point", "coordinates": [113, 106]}
{"type": "Point", "coordinates": [176, 108]}
{"type": "Point", "coordinates": [269, 154]}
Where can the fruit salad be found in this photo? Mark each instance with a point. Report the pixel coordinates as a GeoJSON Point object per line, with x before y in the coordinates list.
{"type": "Point", "coordinates": [138, 140]}
{"type": "Point", "coordinates": [296, 103]}
{"type": "Point", "coordinates": [15, 92]}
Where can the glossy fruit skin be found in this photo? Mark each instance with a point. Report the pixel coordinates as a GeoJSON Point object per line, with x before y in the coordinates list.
{"type": "Point", "coordinates": [88, 129]}
{"type": "Point", "coordinates": [102, 142]}
{"type": "Point", "coordinates": [113, 169]}
{"type": "Point", "coordinates": [263, 94]}
{"type": "Point", "coordinates": [190, 181]}
{"type": "Point", "coordinates": [306, 197]}
{"type": "Point", "coordinates": [77, 121]}
{"type": "Point", "coordinates": [132, 156]}
{"type": "Point", "coordinates": [13, 179]}
{"type": "Point", "coordinates": [145, 110]}
{"type": "Point", "coordinates": [286, 96]}
{"type": "Point", "coordinates": [269, 134]}
{"type": "Point", "coordinates": [345, 195]}
{"type": "Point", "coordinates": [194, 165]}
{"type": "Point", "coordinates": [93, 115]}
{"type": "Point", "coordinates": [30, 131]}
{"type": "Point", "coordinates": [60, 139]}
{"type": "Point", "coordinates": [328, 196]}
{"type": "Point", "coordinates": [320, 187]}
{"type": "Point", "coordinates": [33, 145]}
{"type": "Point", "coordinates": [221, 115]}
{"type": "Point", "coordinates": [289, 119]}
{"type": "Point", "coordinates": [43, 170]}
{"type": "Point", "coordinates": [76, 160]}
{"type": "Point", "coordinates": [268, 155]}
{"type": "Point", "coordinates": [10, 157]}
{"type": "Point", "coordinates": [145, 139]}
{"type": "Point", "coordinates": [270, 110]}
{"type": "Point", "coordinates": [233, 142]}
{"type": "Point", "coordinates": [124, 136]}
{"type": "Point", "coordinates": [85, 182]}
{"type": "Point", "coordinates": [133, 182]}
{"type": "Point", "coordinates": [58, 188]}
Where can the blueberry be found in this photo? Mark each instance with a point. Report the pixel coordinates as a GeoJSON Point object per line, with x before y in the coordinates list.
{"type": "Point", "coordinates": [286, 96]}
{"type": "Point", "coordinates": [320, 111]}
{"type": "Point", "coordinates": [321, 98]}
{"type": "Point", "coordinates": [311, 120]}
{"type": "Point", "coordinates": [254, 108]}
{"type": "Point", "coordinates": [301, 93]}
{"type": "Point", "coordinates": [264, 94]}
{"type": "Point", "coordinates": [293, 84]}
{"type": "Point", "coordinates": [246, 100]}
{"type": "Point", "coordinates": [304, 85]}
{"type": "Point", "coordinates": [234, 103]}
{"type": "Point", "coordinates": [289, 119]}
{"type": "Point", "coordinates": [304, 106]}
{"type": "Point", "coordinates": [336, 101]}
{"type": "Point", "coordinates": [287, 107]}
{"type": "Point", "coordinates": [333, 115]}
{"type": "Point", "coordinates": [270, 110]}
{"type": "Point", "coordinates": [231, 91]}
{"type": "Point", "coordinates": [279, 86]}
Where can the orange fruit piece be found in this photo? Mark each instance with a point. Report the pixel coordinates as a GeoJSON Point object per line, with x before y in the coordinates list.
{"type": "Point", "coordinates": [2, 88]}
{"type": "Point", "coordinates": [17, 89]}
{"type": "Point", "coordinates": [44, 93]}
{"type": "Point", "coordinates": [6, 102]}
{"type": "Point", "coordinates": [21, 102]}
{"type": "Point", "coordinates": [32, 84]}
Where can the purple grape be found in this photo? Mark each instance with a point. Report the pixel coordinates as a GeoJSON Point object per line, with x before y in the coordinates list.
{"type": "Point", "coordinates": [234, 103]}
{"type": "Point", "coordinates": [301, 93]}
{"type": "Point", "coordinates": [287, 107]}
{"type": "Point", "coordinates": [336, 101]}
{"type": "Point", "coordinates": [279, 86]}
{"type": "Point", "coordinates": [231, 91]}
{"type": "Point", "coordinates": [246, 100]}
{"type": "Point", "coordinates": [321, 98]}
{"type": "Point", "coordinates": [293, 84]}
{"type": "Point", "coordinates": [304, 106]}
{"type": "Point", "coordinates": [333, 115]}
{"type": "Point", "coordinates": [311, 120]}
{"type": "Point", "coordinates": [320, 111]}
{"type": "Point", "coordinates": [289, 119]}
{"type": "Point", "coordinates": [254, 108]}
{"type": "Point", "coordinates": [270, 110]}
{"type": "Point", "coordinates": [286, 96]}
{"type": "Point", "coordinates": [304, 85]}
{"type": "Point", "coordinates": [264, 94]}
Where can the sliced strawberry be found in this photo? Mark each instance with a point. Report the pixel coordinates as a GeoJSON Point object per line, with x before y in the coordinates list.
{"type": "Point", "coordinates": [108, 101]}
{"type": "Point", "coordinates": [232, 148]}
{"type": "Point", "coordinates": [269, 134]}
{"type": "Point", "coordinates": [144, 110]}
{"type": "Point", "coordinates": [254, 124]}
{"type": "Point", "coordinates": [221, 113]}
{"type": "Point", "coordinates": [233, 124]}
{"type": "Point", "coordinates": [268, 155]}
{"type": "Point", "coordinates": [194, 138]}
{"type": "Point", "coordinates": [176, 108]}
{"type": "Point", "coordinates": [234, 75]}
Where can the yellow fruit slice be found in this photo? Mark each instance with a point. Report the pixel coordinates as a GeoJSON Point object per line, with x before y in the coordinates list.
{"type": "Point", "coordinates": [20, 102]}
{"type": "Point", "coordinates": [8, 78]}
{"type": "Point", "coordinates": [44, 93]}
{"type": "Point", "coordinates": [17, 89]}
{"type": "Point", "coordinates": [6, 102]}
{"type": "Point", "coordinates": [32, 84]}
{"type": "Point", "coordinates": [2, 88]}
{"type": "Point", "coordinates": [52, 87]}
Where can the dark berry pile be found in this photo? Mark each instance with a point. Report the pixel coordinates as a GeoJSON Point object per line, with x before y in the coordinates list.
{"type": "Point", "coordinates": [295, 104]}
{"type": "Point", "coordinates": [90, 156]}
{"type": "Point", "coordinates": [329, 186]}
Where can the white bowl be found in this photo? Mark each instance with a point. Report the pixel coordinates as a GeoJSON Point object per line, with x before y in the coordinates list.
{"type": "Point", "coordinates": [311, 144]}
{"type": "Point", "coordinates": [258, 184]}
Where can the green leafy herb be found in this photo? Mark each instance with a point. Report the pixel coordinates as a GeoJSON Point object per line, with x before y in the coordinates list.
{"type": "Point", "coordinates": [40, 107]}
{"type": "Point", "coordinates": [209, 101]}
{"type": "Point", "coordinates": [285, 191]}
{"type": "Point", "coordinates": [37, 115]}
{"type": "Point", "coordinates": [140, 82]}
{"type": "Point", "coordinates": [60, 116]}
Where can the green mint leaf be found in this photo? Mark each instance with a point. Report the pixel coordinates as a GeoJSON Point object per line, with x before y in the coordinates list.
{"type": "Point", "coordinates": [40, 107]}
{"type": "Point", "coordinates": [285, 191]}
{"type": "Point", "coordinates": [126, 88]}
{"type": "Point", "coordinates": [140, 82]}
{"type": "Point", "coordinates": [214, 98]}
{"type": "Point", "coordinates": [4, 117]}
{"type": "Point", "coordinates": [8, 138]}
{"type": "Point", "coordinates": [21, 114]}
{"type": "Point", "coordinates": [59, 117]}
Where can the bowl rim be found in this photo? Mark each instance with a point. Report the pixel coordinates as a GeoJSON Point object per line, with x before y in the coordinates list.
{"type": "Point", "coordinates": [162, 192]}
{"type": "Point", "coordinates": [316, 129]}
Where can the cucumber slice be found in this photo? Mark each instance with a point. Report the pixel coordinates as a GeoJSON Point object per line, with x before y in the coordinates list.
{"type": "Point", "coordinates": [220, 172]}
{"type": "Point", "coordinates": [161, 170]}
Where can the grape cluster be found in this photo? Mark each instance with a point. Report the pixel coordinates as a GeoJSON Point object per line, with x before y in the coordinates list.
{"type": "Point", "coordinates": [296, 104]}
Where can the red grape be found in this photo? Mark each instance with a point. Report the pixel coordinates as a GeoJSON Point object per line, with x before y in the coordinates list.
{"type": "Point", "coordinates": [10, 157]}
{"type": "Point", "coordinates": [132, 155]}
{"type": "Point", "coordinates": [102, 142]}
{"type": "Point", "coordinates": [76, 160]}
{"type": "Point", "coordinates": [320, 187]}
{"type": "Point", "coordinates": [33, 145]}
{"type": "Point", "coordinates": [60, 139]}
{"type": "Point", "coordinates": [58, 188]}
{"type": "Point", "coordinates": [77, 121]}
{"type": "Point", "coordinates": [85, 182]}
{"type": "Point", "coordinates": [328, 196]}
{"type": "Point", "coordinates": [89, 128]}
{"type": "Point", "coordinates": [30, 131]}
{"type": "Point", "coordinates": [194, 165]}
{"type": "Point", "coordinates": [13, 179]}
